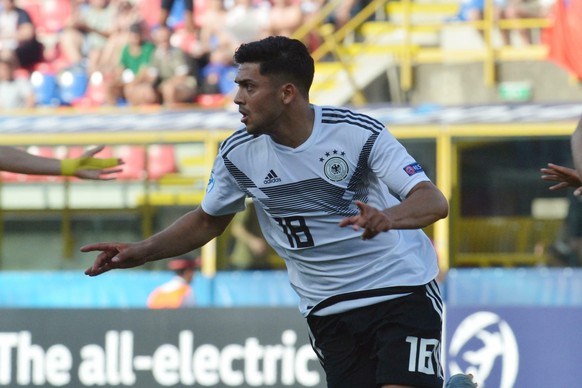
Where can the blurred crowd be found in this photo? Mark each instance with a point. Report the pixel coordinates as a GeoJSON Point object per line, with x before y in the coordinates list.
{"type": "Point", "coordinates": [151, 52]}
{"type": "Point", "coordinates": [131, 52]}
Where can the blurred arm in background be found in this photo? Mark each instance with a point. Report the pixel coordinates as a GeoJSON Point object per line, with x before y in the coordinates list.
{"type": "Point", "coordinates": [568, 177]}
{"type": "Point", "coordinates": [86, 167]}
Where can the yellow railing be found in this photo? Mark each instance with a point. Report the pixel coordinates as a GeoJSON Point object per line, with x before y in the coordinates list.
{"type": "Point", "coordinates": [446, 142]}
{"type": "Point", "coordinates": [400, 16]}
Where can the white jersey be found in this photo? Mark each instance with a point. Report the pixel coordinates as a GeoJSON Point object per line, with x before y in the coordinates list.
{"type": "Point", "coordinates": [302, 193]}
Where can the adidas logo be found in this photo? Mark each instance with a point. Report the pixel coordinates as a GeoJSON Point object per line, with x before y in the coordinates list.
{"type": "Point", "coordinates": [271, 178]}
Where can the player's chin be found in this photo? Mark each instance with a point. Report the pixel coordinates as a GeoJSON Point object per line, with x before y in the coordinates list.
{"type": "Point", "coordinates": [251, 129]}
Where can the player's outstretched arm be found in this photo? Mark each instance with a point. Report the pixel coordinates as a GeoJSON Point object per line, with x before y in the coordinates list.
{"type": "Point", "coordinates": [564, 176]}
{"type": "Point", "coordinates": [424, 205]}
{"type": "Point", "coordinates": [189, 232]}
{"type": "Point", "coordinates": [86, 167]}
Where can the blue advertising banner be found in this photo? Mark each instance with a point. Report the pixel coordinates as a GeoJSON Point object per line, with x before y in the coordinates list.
{"type": "Point", "coordinates": [515, 347]}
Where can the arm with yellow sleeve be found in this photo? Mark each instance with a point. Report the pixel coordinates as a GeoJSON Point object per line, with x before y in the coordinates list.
{"type": "Point", "coordinates": [85, 167]}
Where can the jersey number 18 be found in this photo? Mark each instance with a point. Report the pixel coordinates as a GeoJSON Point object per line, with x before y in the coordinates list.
{"type": "Point", "coordinates": [296, 231]}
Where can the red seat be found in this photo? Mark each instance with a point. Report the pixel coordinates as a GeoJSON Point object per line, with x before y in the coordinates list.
{"type": "Point", "coordinates": [53, 15]}
{"type": "Point", "coordinates": [134, 162]}
{"type": "Point", "coordinates": [77, 151]}
{"type": "Point", "coordinates": [150, 11]}
{"type": "Point", "coordinates": [161, 160]}
{"type": "Point", "coordinates": [95, 94]}
{"type": "Point", "coordinates": [200, 7]}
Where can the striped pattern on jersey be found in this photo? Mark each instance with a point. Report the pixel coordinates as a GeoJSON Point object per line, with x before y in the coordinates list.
{"type": "Point", "coordinates": [338, 116]}
{"type": "Point", "coordinates": [290, 199]}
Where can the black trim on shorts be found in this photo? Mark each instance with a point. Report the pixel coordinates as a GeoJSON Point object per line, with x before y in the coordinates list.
{"type": "Point", "coordinates": [366, 294]}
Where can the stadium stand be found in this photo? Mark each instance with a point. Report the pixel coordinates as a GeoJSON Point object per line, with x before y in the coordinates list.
{"type": "Point", "coordinates": [386, 37]}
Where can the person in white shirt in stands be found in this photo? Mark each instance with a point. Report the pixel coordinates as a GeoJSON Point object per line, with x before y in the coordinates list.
{"type": "Point", "coordinates": [18, 38]}
{"type": "Point", "coordinates": [321, 179]}
{"type": "Point", "coordinates": [15, 92]}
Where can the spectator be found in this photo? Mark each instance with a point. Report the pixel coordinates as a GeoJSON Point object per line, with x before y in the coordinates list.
{"type": "Point", "coordinates": [18, 36]}
{"type": "Point", "coordinates": [524, 9]}
{"type": "Point", "coordinates": [166, 9]}
{"type": "Point", "coordinates": [310, 9]}
{"type": "Point", "coordinates": [211, 36]}
{"type": "Point", "coordinates": [250, 249]}
{"type": "Point", "coordinates": [126, 14]}
{"type": "Point", "coordinates": [166, 79]}
{"type": "Point", "coordinates": [246, 22]}
{"type": "Point", "coordinates": [218, 75]}
{"type": "Point", "coordinates": [86, 33]}
{"type": "Point", "coordinates": [16, 92]}
{"type": "Point", "coordinates": [285, 17]}
{"type": "Point", "coordinates": [212, 31]}
{"type": "Point", "coordinates": [473, 11]}
{"type": "Point", "coordinates": [177, 292]}
{"type": "Point", "coordinates": [347, 10]}
{"type": "Point", "coordinates": [135, 55]}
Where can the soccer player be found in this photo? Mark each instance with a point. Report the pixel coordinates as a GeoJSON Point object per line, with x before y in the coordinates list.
{"type": "Point", "coordinates": [166, 9]}
{"type": "Point", "coordinates": [86, 166]}
{"type": "Point", "coordinates": [343, 203]}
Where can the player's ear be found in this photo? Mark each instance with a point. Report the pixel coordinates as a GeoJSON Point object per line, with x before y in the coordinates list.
{"type": "Point", "coordinates": [288, 93]}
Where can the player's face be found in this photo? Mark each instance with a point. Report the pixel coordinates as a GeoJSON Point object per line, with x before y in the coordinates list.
{"type": "Point", "coordinates": [258, 99]}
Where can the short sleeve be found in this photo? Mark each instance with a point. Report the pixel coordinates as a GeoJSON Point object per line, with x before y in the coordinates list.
{"type": "Point", "coordinates": [223, 195]}
{"type": "Point", "coordinates": [394, 166]}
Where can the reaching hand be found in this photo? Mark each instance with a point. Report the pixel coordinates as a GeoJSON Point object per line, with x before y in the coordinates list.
{"type": "Point", "coordinates": [112, 256]}
{"type": "Point", "coordinates": [88, 167]}
{"type": "Point", "coordinates": [371, 219]}
{"type": "Point", "coordinates": [566, 177]}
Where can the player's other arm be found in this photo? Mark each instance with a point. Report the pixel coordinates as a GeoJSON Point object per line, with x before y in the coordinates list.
{"type": "Point", "coordinates": [86, 166]}
{"type": "Point", "coordinates": [565, 177]}
{"type": "Point", "coordinates": [424, 205]}
{"type": "Point", "coordinates": [576, 144]}
{"type": "Point", "coordinates": [189, 232]}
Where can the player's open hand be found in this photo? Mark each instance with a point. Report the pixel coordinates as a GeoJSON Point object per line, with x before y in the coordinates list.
{"type": "Point", "coordinates": [566, 177]}
{"type": "Point", "coordinates": [112, 256]}
{"type": "Point", "coordinates": [87, 166]}
{"type": "Point", "coordinates": [371, 219]}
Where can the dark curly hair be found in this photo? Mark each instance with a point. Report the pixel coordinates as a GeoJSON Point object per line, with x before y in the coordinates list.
{"type": "Point", "coordinates": [282, 57]}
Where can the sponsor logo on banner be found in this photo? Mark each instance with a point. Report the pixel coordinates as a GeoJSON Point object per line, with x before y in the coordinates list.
{"type": "Point", "coordinates": [485, 345]}
{"type": "Point", "coordinates": [117, 361]}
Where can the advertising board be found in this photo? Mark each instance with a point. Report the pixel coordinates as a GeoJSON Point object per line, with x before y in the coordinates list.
{"type": "Point", "coordinates": [515, 347]}
{"type": "Point", "coordinates": [157, 348]}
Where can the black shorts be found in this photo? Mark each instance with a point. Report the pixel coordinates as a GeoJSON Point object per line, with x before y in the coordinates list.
{"type": "Point", "coordinates": [392, 342]}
